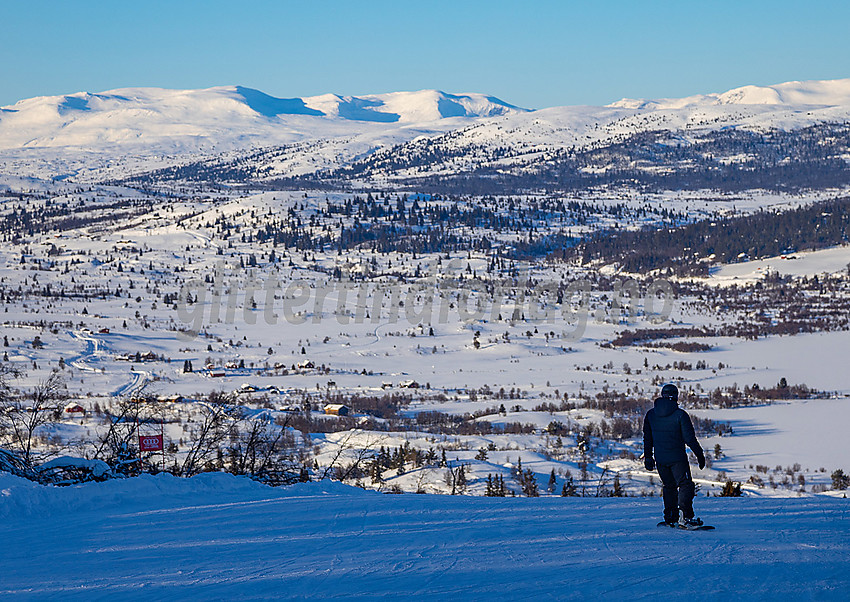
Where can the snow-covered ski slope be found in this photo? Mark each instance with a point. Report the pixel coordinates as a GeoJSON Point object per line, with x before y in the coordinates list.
{"type": "Point", "coordinates": [216, 536]}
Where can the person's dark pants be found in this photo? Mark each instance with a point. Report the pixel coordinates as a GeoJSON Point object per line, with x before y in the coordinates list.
{"type": "Point", "coordinates": [677, 490]}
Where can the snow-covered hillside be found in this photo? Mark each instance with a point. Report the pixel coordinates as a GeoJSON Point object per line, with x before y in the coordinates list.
{"type": "Point", "coordinates": [522, 141]}
{"type": "Point", "coordinates": [216, 536]}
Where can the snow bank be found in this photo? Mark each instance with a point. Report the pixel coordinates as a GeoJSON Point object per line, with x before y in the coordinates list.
{"type": "Point", "coordinates": [98, 468]}
{"type": "Point", "coordinates": [23, 498]}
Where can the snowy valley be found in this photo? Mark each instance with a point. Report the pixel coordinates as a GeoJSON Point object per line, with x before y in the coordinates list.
{"type": "Point", "coordinates": [421, 293]}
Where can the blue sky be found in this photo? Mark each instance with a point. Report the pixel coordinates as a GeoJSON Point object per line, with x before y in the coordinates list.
{"type": "Point", "coordinates": [533, 53]}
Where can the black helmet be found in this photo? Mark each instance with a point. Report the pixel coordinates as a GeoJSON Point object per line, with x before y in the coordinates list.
{"type": "Point", "coordinates": [670, 391]}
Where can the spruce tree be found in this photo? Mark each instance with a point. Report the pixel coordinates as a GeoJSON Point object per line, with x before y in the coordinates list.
{"type": "Point", "coordinates": [569, 489]}
{"type": "Point", "coordinates": [528, 482]}
{"type": "Point", "coordinates": [501, 489]}
{"type": "Point", "coordinates": [489, 491]}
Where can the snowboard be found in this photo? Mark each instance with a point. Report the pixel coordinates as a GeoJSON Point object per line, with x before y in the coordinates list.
{"type": "Point", "coordinates": [684, 528]}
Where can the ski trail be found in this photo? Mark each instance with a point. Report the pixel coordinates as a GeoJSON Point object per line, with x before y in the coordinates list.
{"type": "Point", "coordinates": [217, 536]}
{"type": "Point", "coordinates": [138, 379]}
{"type": "Point", "coordinates": [93, 349]}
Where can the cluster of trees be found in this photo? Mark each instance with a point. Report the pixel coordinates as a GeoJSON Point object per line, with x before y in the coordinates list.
{"type": "Point", "coordinates": [776, 305]}
{"type": "Point", "coordinates": [840, 481]}
{"type": "Point", "coordinates": [24, 413]}
{"type": "Point", "coordinates": [496, 487]}
{"type": "Point", "coordinates": [661, 160]}
{"type": "Point", "coordinates": [692, 248]}
{"type": "Point", "coordinates": [733, 396]}
{"type": "Point", "coordinates": [31, 215]}
{"type": "Point", "coordinates": [791, 478]}
{"type": "Point", "coordinates": [642, 335]}
{"type": "Point", "coordinates": [224, 437]}
{"type": "Point", "coordinates": [526, 479]}
{"type": "Point", "coordinates": [389, 459]}
{"type": "Point", "coordinates": [430, 223]}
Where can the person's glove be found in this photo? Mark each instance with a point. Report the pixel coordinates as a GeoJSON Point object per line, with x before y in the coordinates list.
{"type": "Point", "coordinates": [701, 460]}
{"type": "Point", "coordinates": [649, 463]}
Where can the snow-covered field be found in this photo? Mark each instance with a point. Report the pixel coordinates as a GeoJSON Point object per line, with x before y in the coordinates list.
{"type": "Point", "coordinates": [811, 263]}
{"type": "Point", "coordinates": [784, 433]}
{"type": "Point", "coordinates": [217, 536]}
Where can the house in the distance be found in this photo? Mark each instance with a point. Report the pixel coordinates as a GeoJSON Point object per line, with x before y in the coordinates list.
{"type": "Point", "coordinates": [336, 409]}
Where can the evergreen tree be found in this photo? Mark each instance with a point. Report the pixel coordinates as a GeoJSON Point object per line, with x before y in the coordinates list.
{"type": "Point", "coordinates": [718, 451]}
{"type": "Point", "coordinates": [553, 481]}
{"type": "Point", "coordinates": [840, 481]}
{"type": "Point", "coordinates": [529, 484]}
{"type": "Point", "coordinates": [618, 490]}
{"type": "Point", "coordinates": [569, 489]}
{"type": "Point", "coordinates": [375, 472]}
{"type": "Point", "coordinates": [461, 477]}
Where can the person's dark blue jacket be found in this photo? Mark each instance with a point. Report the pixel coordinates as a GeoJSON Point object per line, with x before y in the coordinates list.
{"type": "Point", "coordinates": [666, 430]}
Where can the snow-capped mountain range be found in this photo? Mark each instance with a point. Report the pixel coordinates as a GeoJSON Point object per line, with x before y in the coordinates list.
{"type": "Point", "coordinates": [223, 115]}
{"type": "Point", "coordinates": [132, 130]}
{"type": "Point", "coordinates": [828, 93]}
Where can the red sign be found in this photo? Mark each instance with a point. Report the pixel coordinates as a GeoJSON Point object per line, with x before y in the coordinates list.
{"type": "Point", "coordinates": [150, 443]}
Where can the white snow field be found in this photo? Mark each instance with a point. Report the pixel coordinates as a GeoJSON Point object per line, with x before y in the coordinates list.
{"type": "Point", "coordinates": [806, 263]}
{"type": "Point", "coordinates": [782, 433]}
{"type": "Point", "coordinates": [216, 536]}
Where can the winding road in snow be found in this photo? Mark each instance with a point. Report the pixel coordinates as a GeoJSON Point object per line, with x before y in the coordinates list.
{"type": "Point", "coordinates": [92, 350]}
{"type": "Point", "coordinates": [95, 349]}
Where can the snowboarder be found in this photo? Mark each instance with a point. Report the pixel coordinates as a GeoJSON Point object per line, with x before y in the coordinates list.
{"type": "Point", "coordinates": [666, 430]}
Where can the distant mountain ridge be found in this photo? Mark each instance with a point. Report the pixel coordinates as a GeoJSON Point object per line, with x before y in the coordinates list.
{"type": "Point", "coordinates": [824, 93]}
{"type": "Point", "coordinates": [145, 114]}
{"type": "Point", "coordinates": [239, 134]}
